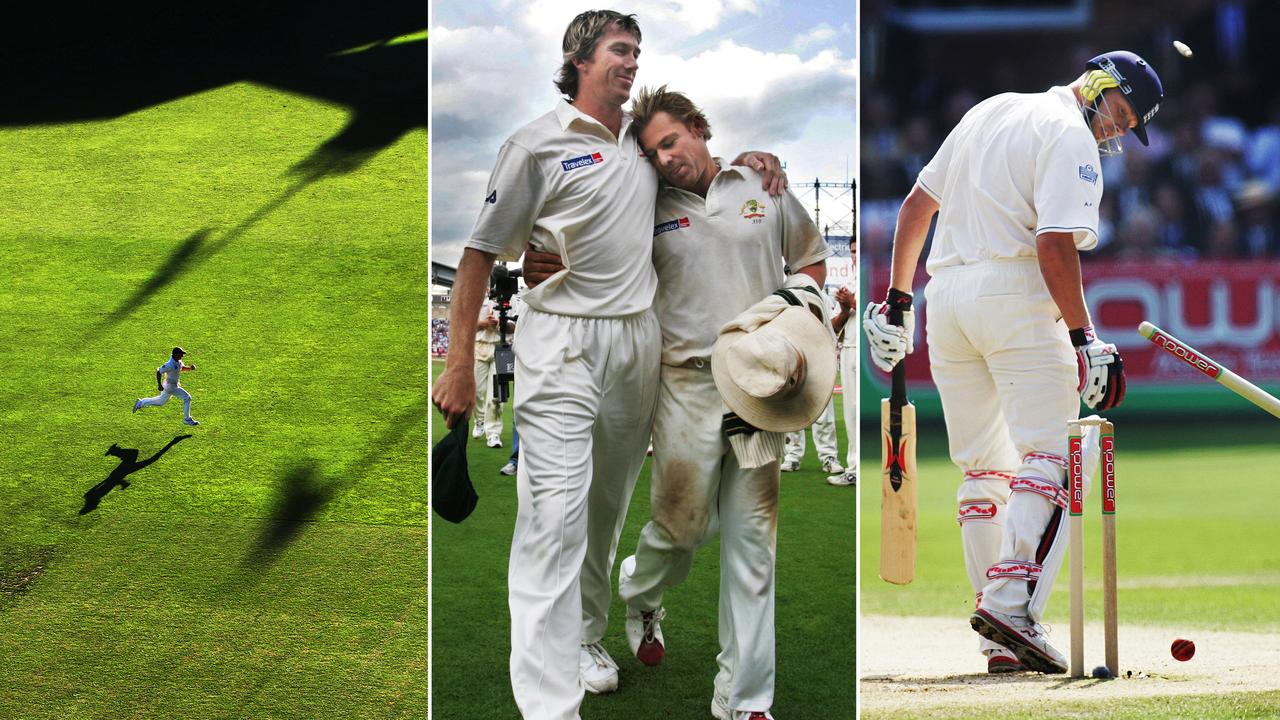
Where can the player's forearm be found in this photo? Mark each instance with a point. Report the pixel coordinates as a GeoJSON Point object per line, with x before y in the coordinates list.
{"type": "Point", "coordinates": [469, 290]}
{"type": "Point", "coordinates": [909, 236]}
{"type": "Point", "coordinates": [840, 320]}
{"type": "Point", "coordinates": [1060, 266]}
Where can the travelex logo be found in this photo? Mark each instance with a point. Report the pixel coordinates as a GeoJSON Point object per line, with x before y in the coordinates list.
{"type": "Point", "coordinates": [668, 226]}
{"type": "Point", "coordinates": [1088, 174]}
{"type": "Point", "coordinates": [585, 160]}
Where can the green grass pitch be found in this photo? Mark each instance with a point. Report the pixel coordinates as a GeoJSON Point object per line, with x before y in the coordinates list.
{"type": "Point", "coordinates": [815, 606]}
{"type": "Point", "coordinates": [274, 564]}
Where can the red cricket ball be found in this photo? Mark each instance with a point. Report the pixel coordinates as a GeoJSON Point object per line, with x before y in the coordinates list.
{"type": "Point", "coordinates": [1182, 649]}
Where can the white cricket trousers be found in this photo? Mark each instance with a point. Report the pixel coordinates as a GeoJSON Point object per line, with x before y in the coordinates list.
{"type": "Point", "coordinates": [696, 486]}
{"type": "Point", "coordinates": [1006, 374]}
{"type": "Point", "coordinates": [164, 396]}
{"type": "Point", "coordinates": [584, 396]}
{"type": "Point", "coordinates": [488, 412]}
{"type": "Point", "coordinates": [824, 437]}
{"type": "Point", "coordinates": [849, 383]}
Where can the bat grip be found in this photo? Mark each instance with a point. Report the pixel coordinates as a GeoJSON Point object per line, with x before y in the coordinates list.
{"type": "Point", "coordinates": [898, 393]}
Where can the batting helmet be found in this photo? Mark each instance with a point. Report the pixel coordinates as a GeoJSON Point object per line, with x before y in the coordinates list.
{"type": "Point", "coordinates": [1137, 80]}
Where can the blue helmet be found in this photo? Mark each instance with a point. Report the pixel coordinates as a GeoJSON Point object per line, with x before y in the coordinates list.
{"type": "Point", "coordinates": [1137, 80]}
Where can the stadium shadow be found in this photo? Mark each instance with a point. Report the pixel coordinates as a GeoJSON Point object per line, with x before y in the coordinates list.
{"type": "Point", "coordinates": [129, 464]}
{"type": "Point", "coordinates": [101, 63]}
{"type": "Point", "coordinates": [303, 491]}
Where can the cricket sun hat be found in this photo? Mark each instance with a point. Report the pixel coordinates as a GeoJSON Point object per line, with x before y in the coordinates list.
{"type": "Point", "coordinates": [1137, 80]}
{"type": "Point", "coordinates": [780, 375]}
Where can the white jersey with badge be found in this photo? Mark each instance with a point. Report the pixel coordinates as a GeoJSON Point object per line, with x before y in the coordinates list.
{"type": "Point", "coordinates": [564, 184]}
{"type": "Point", "coordinates": [172, 371]}
{"type": "Point", "coordinates": [1015, 166]}
{"type": "Point", "coordinates": [718, 257]}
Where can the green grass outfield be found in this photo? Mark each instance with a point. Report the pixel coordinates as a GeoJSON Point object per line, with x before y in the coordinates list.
{"type": "Point", "coordinates": [274, 564]}
{"type": "Point", "coordinates": [1196, 527]}
{"type": "Point", "coordinates": [815, 606]}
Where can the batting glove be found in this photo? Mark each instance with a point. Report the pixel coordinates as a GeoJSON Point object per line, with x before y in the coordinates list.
{"type": "Point", "coordinates": [1101, 371]}
{"type": "Point", "coordinates": [889, 343]}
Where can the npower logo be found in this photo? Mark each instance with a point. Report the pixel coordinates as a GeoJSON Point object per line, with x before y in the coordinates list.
{"type": "Point", "coordinates": [1187, 355]}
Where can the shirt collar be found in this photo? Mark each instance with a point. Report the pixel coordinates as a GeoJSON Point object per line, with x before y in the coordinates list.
{"type": "Point", "coordinates": [567, 114]}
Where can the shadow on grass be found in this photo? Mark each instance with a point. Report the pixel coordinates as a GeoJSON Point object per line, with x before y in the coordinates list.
{"type": "Point", "coordinates": [129, 464]}
{"type": "Point", "coordinates": [303, 490]}
{"type": "Point", "coordinates": [190, 253]}
{"type": "Point", "coordinates": [73, 65]}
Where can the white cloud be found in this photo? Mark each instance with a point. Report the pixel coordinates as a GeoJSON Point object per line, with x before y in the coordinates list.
{"type": "Point", "coordinates": [493, 65]}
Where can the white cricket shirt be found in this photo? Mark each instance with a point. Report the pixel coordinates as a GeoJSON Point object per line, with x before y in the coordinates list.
{"type": "Point", "coordinates": [1015, 166]}
{"type": "Point", "coordinates": [172, 372]}
{"type": "Point", "coordinates": [564, 184]}
{"type": "Point", "coordinates": [718, 257]}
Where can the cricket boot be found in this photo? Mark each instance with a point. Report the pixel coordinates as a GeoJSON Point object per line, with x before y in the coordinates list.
{"type": "Point", "coordinates": [1018, 633]}
{"type": "Point", "coordinates": [644, 629]}
{"type": "Point", "coordinates": [1001, 659]}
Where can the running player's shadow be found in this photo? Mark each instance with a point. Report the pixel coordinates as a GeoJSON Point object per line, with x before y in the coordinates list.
{"type": "Point", "coordinates": [129, 464]}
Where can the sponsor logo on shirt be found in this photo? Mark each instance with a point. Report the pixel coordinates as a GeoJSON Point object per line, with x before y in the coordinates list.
{"type": "Point", "coordinates": [1088, 174]}
{"type": "Point", "coordinates": [752, 210]}
{"type": "Point", "coordinates": [493, 198]}
{"type": "Point", "coordinates": [671, 225]}
{"type": "Point", "coordinates": [585, 160]}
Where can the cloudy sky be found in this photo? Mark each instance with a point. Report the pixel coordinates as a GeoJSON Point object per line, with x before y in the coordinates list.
{"type": "Point", "coordinates": [772, 75]}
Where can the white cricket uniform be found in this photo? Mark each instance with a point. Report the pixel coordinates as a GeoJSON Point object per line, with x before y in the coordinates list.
{"type": "Point", "coordinates": [586, 379]}
{"type": "Point", "coordinates": [715, 259]}
{"type": "Point", "coordinates": [849, 378]}
{"type": "Point", "coordinates": [823, 429]}
{"type": "Point", "coordinates": [488, 412]}
{"type": "Point", "coordinates": [1017, 165]}
{"type": "Point", "coordinates": [172, 371]}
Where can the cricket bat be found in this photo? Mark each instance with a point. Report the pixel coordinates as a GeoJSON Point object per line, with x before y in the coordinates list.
{"type": "Point", "coordinates": [898, 479]}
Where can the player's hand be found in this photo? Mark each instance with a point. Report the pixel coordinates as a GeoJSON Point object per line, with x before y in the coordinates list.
{"type": "Point", "coordinates": [845, 299]}
{"type": "Point", "coordinates": [488, 321]}
{"type": "Point", "coordinates": [1100, 370]}
{"type": "Point", "coordinates": [768, 165]}
{"type": "Point", "coordinates": [889, 343]}
{"type": "Point", "coordinates": [538, 266]}
{"type": "Point", "coordinates": [454, 393]}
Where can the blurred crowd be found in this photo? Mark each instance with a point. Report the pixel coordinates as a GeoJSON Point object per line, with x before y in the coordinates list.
{"type": "Point", "coordinates": [439, 337]}
{"type": "Point", "coordinates": [1207, 186]}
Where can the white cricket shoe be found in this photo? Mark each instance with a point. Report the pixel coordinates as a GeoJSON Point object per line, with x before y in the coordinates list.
{"type": "Point", "coordinates": [598, 670]}
{"type": "Point", "coordinates": [1026, 639]}
{"type": "Point", "coordinates": [508, 469]}
{"type": "Point", "coordinates": [477, 431]}
{"type": "Point", "coordinates": [790, 465]}
{"type": "Point", "coordinates": [848, 477]}
{"type": "Point", "coordinates": [831, 466]}
{"type": "Point", "coordinates": [494, 442]}
{"type": "Point", "coordinates": [1001, 660]}
{"type": "Point", "coordinates": [644, 629]}
{"type": "Point", "coordinates": [191, 421]}
{"type": "Point", "coordinates": [751, 715]}
{"type": "Point", "coordinates": [137, 405]}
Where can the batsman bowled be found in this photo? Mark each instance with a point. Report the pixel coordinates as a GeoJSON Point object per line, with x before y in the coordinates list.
{"type": "Point", "coordinates": [1075, 490]}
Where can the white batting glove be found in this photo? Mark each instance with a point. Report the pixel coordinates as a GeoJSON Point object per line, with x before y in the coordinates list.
{"type": "Point", "coordinates": [1101, 371]}
{"type": "Point", "coordinates": [889, 343]}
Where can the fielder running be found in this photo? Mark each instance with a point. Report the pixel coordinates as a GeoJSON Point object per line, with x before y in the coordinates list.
{"type": "Point", "coordinates": [1016, 185]}
{"type": "Point", "coordinates": [167, 376]}
{"type": "Point", "coordinates": [575, 183]}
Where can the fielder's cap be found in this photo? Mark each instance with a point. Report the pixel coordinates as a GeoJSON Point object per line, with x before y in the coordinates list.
{"type": "Point", "coordinates": [179, 351]}
{"type": "Point", "coordinates": [452, 494]}
{"type": "Point", "coordinates": [1137, 80]}
{"type": "Point", "coordinates": [780, 376]}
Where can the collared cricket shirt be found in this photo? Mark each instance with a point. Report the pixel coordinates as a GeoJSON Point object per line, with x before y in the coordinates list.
{"type": "Point", "coordinates": [718, 257]}
{"type": "Point", "coordinates": [564, 184]}
{"type": "Point", "coordinates": [1015, 166]}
